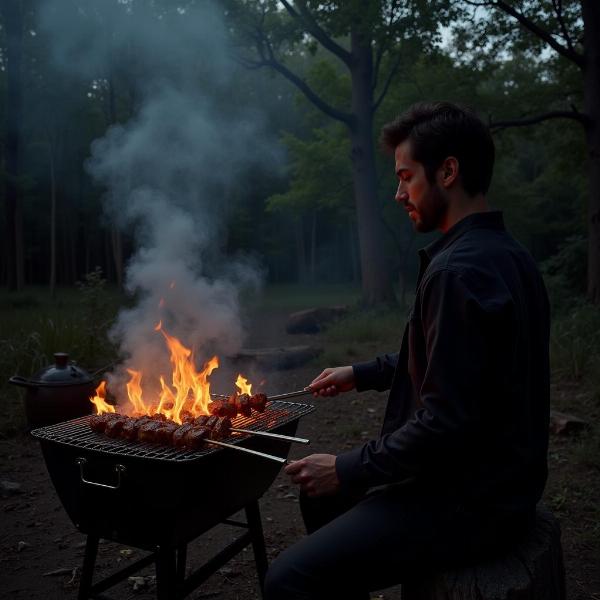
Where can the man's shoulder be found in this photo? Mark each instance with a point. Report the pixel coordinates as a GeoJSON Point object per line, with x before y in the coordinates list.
{"type": "Point", "coordinates": [480, 250]}
{"type": "Point", "coordinates": [491, 266]}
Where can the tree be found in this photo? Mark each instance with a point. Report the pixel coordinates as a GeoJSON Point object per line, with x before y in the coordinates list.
{"type": "Point", "coordinates": [366, 37]}
{"type": "Point", "coordinates": [12, 13]}
{"type": "Point", "coordinates": [571, 29]}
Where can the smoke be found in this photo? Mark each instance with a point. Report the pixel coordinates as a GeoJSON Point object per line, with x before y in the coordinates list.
{"type": "Point", "coordinates": [169, 170]}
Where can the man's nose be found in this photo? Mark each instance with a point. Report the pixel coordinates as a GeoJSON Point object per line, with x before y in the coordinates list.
{"type": "Point", "coordinates": [401, 195]}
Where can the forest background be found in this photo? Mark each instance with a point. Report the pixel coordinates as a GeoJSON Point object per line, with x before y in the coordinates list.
{"type": "Point", "coordinates": [304, 198]}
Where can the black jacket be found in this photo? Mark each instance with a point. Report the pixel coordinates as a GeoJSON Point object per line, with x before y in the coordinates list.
{"type": "Point", "coordinates": [468, 408]}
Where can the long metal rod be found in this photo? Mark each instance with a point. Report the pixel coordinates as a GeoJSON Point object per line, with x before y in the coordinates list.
{"type": "Point", "coordinates": [302, 392]}
{"type": "Point", "coordinates": [268, 434]}
{"type": "Point", "coordinates": [278, 459]}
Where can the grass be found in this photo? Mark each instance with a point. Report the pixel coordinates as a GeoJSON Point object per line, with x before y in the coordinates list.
{"type": "Point", "coordinates": [33, 326]}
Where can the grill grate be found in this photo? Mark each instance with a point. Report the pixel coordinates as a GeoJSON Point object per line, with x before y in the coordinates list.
{"type": "Point", "coordinates": [77, 433]}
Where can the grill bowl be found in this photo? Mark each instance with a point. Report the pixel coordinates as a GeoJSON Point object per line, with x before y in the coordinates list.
{"type": "Point", "coordinates": [163, 496]}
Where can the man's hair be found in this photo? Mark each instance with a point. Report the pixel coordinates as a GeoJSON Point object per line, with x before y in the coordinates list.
{"type": "Point", "coordinates": [437, 130]}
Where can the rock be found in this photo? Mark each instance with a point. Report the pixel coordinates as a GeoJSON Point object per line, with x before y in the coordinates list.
{"type": "Point", "coordinates": [564, 424]}
{"type": "Point", "coordinates": [279, 358]}
{"type": "Point", "coordinates": [138, 583]}
{"type": "Point", "coordinates": [313, 320]}
{"type": "Point", "coordinates": [22, 546]}
{"type": "Point", "coordinates": [9, 488]}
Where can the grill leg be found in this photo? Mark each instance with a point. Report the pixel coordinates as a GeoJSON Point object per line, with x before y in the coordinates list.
{"type": "Point", "coordinates": [87, 571]}
{"type": "Point", "coordinates": [258, 541]}
{"type": "Point", "coordinates": [166, 574]}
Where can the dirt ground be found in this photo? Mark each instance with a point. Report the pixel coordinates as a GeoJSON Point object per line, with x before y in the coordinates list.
{"type": "Point", "coordinates": [41, 552]}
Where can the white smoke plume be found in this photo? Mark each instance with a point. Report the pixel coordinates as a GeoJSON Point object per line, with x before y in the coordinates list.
{"type": "Point", "coordinates": [167, 171]}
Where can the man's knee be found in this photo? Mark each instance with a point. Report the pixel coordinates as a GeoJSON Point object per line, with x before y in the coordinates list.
{"type": "Point", "coordinates": [283, 580]}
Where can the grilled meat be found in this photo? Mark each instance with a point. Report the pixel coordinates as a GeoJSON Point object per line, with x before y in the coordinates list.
{"type": "Point", "coordinates": [162, 431]}
{"type": "Point", "coordinates": [238, 404]}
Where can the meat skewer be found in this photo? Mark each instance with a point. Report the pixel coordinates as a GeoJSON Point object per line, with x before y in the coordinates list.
{"type": "Point", "coordinates": [238, 404]}
{"type": "Point", "coordinates": [192, 435]}
{"type": "Point", "coordinates": [275, 436]}
{"type": "Point", "coordinates": [302, 392]}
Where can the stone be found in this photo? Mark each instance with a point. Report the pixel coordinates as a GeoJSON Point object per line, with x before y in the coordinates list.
{"type": "Point", "coordinates": [10, 488]}
{"type": "Point", "coordinates": [313, 320]}
{"type": "Point", "coordinates": [564, 424]}
{"type": "Point", "coordinates": [279, 358]}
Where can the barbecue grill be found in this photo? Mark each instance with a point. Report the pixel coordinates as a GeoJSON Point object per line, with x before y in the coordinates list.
{"type": "Point", "coordinates": [160, 498]}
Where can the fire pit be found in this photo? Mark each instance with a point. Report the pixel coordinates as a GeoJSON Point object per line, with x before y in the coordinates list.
{"type": "Point", "coordinates": [160, 498]}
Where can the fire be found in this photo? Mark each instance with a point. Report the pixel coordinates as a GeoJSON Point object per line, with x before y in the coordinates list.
{"type": "Point", "coordinates": [100, 400]}
{"type": "Point", "coordinates": [243, 385]}
{"type": "Point", "coordinates": [187, 392]}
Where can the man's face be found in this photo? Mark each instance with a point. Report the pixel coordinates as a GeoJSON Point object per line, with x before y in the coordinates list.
{"type": "Point", "coordinates": [426, 203]}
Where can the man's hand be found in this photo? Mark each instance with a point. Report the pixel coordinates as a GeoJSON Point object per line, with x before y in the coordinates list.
{"type": "Point", "coordinates": [315, 474]}
{"type": "Point", "coordinates": [333, 381]}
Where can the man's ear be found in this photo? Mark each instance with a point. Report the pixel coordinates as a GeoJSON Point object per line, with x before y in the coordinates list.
{"type": "Point", "coordinates": [448, 172]}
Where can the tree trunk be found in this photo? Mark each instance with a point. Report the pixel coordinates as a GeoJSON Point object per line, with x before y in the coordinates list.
{"type": "Point", "coordinates": [313, 247]}
{"type": "Point", "coordinates": [13, 23]}
{"type": "Point", "coordinates": [116, 235]}
{"type": "Point", "coordinates": [591, 76]}
{"type": "Point", "coordinates": [300, 250]}
{"type": "Point", "coordinates": [52, 221]}
{"type": "Point", "coordinates": [376, 277]}
{"type": "Point", "coordinates": [353, 251]}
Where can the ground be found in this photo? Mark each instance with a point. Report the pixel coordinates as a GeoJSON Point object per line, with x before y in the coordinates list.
{"type": "Point", "coordinates": [41, 552]}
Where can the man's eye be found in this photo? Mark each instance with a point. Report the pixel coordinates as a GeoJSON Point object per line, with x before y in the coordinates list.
{"type": "Point", "coordinates": [404, 177]}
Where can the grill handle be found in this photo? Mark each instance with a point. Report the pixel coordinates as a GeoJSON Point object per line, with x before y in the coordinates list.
{"type": "Point", "coordinates": [120, 470]}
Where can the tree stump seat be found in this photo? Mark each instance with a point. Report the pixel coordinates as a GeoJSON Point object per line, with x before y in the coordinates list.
{"type": "Point", "coordinates": [533, 570]}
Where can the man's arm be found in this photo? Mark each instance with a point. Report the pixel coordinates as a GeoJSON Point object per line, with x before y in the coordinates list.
{"type": "Point", "coordinates": [373, 375]}
{"type": "Point", "coordinates": [456, 363]}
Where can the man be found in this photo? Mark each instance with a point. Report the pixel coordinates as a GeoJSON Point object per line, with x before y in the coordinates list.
{"type": "Point", "coordinates": [461, 460]}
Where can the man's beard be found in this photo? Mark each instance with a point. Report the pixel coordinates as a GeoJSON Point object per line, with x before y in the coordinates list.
{"type": "Point", "coordinates": [432, 212]}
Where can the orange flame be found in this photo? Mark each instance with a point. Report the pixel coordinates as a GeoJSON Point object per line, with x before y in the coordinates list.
{"type": "Point", "coordinates": [99, 400]}
{"type": "Point", "coordinates": [187, 393]}
{"type": "Point", "coordinates": [243, 385]}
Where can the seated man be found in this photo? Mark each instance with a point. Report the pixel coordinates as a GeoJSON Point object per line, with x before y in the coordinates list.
{"type": "Point", "coordinates": [461, 460]}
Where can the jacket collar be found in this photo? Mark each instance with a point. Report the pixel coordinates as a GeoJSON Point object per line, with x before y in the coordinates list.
{"type": "Point", "coordinates": [482, 220]}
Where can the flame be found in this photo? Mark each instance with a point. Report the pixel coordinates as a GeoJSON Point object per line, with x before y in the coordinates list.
{"type": "Point", "coordinates": [243, 385]}
{"type": "Point", "coordinates": [100, 400]}
{"type": "Point", "coordinates": [187, 392]}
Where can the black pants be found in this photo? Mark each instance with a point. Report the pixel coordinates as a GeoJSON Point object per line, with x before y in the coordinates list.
{"type": "Point", "coordinates": [384, 538]}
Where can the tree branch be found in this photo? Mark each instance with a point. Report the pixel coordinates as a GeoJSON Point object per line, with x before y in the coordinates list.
{"type": "Point", "coordinates": [325, 107]}
{"type": "Point", "coordinates": [559, 15]}
{"type": "Point", "coordinates": [388, 81]}
{"type": "Point", "coordinates": [558, 114]}
{"type": "Point", "coordinates": [568, 53]}
{"type": "Point", "coordinates": [307, 19]}
{"type": "Point", "coordinates": [268, 59]}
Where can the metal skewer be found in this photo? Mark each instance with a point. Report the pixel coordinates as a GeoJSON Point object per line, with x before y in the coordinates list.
{"type": "Point", "coordinates": [302, 392]}
{"type": "Point", "coordinates": [277, 436]}
{"type": "Point", "coordinates": [278, 459]}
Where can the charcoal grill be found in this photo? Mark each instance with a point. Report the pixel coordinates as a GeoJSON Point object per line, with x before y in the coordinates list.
{"type": "Point", "coordinates": [160, 498]}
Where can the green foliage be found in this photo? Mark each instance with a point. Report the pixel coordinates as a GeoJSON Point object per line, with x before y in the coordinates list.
{"type": "Point", "coordinates": [565, 274]}
{"type": "Point", "coordinates": [320, 174]}
{"type": "Point", "coordinates": [575, 343]}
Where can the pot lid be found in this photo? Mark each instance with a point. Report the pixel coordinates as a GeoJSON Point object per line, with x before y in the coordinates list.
{"type": "Point", "coordinates": [62, 372]}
